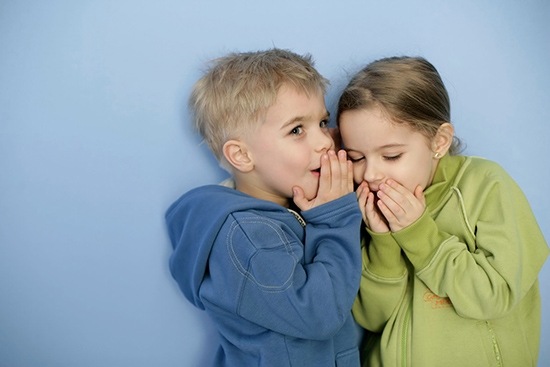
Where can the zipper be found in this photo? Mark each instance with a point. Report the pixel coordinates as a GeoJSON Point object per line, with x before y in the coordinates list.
{"type": "Point", "coordinates": [496, 349]}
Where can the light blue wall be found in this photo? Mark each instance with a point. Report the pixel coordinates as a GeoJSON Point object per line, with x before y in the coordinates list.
{"type": "Point", "coordinates": [95, 144]}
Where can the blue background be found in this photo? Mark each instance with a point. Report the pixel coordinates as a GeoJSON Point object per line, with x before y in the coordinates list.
{"type": "Point", "coordinates": [95, 144]}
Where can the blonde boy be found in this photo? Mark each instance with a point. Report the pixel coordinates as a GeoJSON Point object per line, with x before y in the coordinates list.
{"type": "Point", "coordinates": [275, 261]}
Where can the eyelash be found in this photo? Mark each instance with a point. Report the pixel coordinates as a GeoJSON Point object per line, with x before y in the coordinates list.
{"type": "Point", "coordinates": [356, 159]}
{"type": "Point", "coordinates": [392, 158]}
{"type": "Point", "coordinates": [388, 158]}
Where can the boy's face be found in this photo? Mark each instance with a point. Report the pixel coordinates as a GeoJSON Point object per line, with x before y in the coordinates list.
{"type": "Point", "coordinates": [286, 148]}
{"type": "Point", "coordinates": [381, 149]}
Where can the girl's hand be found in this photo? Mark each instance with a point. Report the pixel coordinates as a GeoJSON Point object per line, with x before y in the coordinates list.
{"type": "Point", "coordinates": [336, 180]}
{"type": "Point", "coordinates": [372, 217]}
{"type": "Point", "coordinates": [400, 207]}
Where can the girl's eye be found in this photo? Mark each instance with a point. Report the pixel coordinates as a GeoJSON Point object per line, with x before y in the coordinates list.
{"type": "Point", "coordinates": [355, 160]}
{"type": "Point", "coordinates": [323, 124]}
{"type": "Point", "coordinates": [297, 130]}
{"type": "Point", "coordinates": [392, 157]}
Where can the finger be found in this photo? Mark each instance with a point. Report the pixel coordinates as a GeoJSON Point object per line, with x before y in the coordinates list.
{"type": "Point", "coordinates": [385, 205]}
{"type": "Point", "coordinates": [362, 195]}
{"type": "Point", "coordinates": [324, 180]}
{"type": "Point", "coordinates": [344, 172]}
{"type": "Point", "coordinates": [398, 199]}
{"type": "Point", "coordinates": [346, 169]}
{"type": "Point", "coordinates": [419, 194]}
{"type": "Point", "coordinates": [362, 190]}
{"type": "Point", "coordinates": [395, 190]}
{"type": "Point", "coordinates": [300, 199]}
{"type": "Point", "coordinates": [376, 221]}
{"type": "Point", "coordinates": [369, 207]}
{"type": "Point", "coordinates": [335, 170]}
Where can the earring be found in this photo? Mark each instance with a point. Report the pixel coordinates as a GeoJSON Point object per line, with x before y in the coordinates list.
{"type": "Point", "coordinates": [437, 155]}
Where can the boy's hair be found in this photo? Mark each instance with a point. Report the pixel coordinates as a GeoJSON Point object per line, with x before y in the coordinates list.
{"type": "Point", "coordinates": [237, 89]}
{"type": "Point", "coordinates": [409, 89]}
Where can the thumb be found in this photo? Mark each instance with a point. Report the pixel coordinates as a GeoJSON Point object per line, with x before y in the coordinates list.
{"type": "Point", "coordinates": [300, 198]}
{"type": "Point", "coordinates": [419, 194]}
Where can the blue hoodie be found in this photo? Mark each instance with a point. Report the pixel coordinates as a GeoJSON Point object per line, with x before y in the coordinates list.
{"type": "Point", "coordinates": [279, 290]}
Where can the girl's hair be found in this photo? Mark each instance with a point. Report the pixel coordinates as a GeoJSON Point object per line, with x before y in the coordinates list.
{"type": "Point", "coordinates": [237, 89]}
{"type": "Point", "coordinates": [409, 89]}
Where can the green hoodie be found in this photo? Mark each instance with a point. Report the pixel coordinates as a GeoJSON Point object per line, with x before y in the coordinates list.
{"type": "Point", "coordinates": [459, 286]}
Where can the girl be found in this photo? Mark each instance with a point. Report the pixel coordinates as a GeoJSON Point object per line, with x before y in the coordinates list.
{"type": "Point", "coordinates": [453, 251]}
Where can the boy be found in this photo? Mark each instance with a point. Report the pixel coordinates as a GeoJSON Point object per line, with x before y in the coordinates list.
{"type": "Point", "coordinates": [275, 261]}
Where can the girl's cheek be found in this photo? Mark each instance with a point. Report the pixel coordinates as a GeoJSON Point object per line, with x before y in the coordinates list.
{"type": "Point", "coordinates": [358, 178]}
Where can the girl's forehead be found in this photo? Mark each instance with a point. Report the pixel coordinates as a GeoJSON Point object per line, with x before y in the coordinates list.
{"type": "Point", "coordinates": [373, 120]}
{"type": "Point", "coordinates": [364, 130]}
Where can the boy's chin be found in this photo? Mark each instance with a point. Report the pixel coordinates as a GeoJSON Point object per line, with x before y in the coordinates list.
{"type": "Point", "coordinates": [311, 193]}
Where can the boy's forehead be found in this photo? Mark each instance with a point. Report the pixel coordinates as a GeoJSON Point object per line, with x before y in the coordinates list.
{"type": "Point", "coordinates": [288, 87]}
{"type": "Point", "coordinates": [295, 105]}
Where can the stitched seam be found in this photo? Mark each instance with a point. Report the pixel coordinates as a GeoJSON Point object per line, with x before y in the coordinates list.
{"type": "Point", "coordinates": [463, 210]}
{"type": "Point", "coordinates": [242, 270]}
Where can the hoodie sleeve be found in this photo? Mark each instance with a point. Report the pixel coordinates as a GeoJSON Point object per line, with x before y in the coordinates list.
{"type": "Point", "coordinates": [383, 281]}
{"type": "Point", "coordinates": [488, 279]}
{"type": "Point", "coordinates": [296, 289]}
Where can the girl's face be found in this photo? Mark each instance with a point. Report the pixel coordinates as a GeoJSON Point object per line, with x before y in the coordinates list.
{"type": "Point", "coordinates": [381, 149]}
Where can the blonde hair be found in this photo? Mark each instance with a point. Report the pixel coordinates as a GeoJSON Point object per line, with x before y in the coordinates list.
{"type": "Point", "coordinates": [234, 93]}
{"type": "Point", "coordinates": [409, 89]}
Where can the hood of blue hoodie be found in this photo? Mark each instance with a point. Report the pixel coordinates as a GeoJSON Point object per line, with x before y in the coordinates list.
{"type": "Point", "coordinates": [194, 221]}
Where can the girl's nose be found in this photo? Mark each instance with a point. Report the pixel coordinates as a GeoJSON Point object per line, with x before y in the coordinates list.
{"type": "Point", "coordinates": [373, 174]}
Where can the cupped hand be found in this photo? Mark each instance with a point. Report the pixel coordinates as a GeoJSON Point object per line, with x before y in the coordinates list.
{"type": "Point", "coordinates": [336, 180]}
{"type": "Point", "coordinates": [399, 206]}
{"type": "Point", "coordinates": [373, 218]}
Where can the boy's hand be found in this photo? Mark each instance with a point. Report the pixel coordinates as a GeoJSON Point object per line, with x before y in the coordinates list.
{"type": "Point", "coordinates": [373, 218]}
{"type": "Point", "coordinates": [399, 206]}
{"type": "Point", "coordinates": [336, 180]}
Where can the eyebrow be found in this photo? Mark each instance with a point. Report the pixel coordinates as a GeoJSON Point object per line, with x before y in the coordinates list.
{"type": "Point", "coordinates": [386, 146]}
{"type": "Point", "coordinates": [303, 118]}
{"type": "Point", "coordinates": [391, 145]}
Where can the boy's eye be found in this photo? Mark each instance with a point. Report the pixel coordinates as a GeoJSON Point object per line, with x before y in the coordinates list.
{"type": "Point", "coordinates": [297, 130]}
{"type": "Point", "coordinates": [323, 124]}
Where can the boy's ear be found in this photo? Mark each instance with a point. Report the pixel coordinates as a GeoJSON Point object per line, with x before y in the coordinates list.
{"type": "Point", "coordinates": [443, 140]}
{"type": "Point", "coordinates": [236, 153]}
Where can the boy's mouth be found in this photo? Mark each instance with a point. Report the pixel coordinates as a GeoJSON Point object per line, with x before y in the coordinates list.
{"type": "Point", "coordinates": [316, 172]}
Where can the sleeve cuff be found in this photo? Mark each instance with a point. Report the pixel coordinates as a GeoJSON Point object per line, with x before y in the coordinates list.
{"type": "Point", "coordinates": [382, 256]}
{"type": "Point", "coordinates": [421, 240]}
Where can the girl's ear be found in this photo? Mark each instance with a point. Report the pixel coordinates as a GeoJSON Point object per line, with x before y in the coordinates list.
{"type": "Point", "coordinates": [236, 153]}
{"type": "Point", "coordinates": [443, 140]}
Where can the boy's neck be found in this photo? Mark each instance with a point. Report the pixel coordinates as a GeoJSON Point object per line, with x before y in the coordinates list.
{"type": "Point", "coordinates": [247, 186]}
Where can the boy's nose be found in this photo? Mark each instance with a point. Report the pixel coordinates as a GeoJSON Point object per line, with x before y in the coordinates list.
{"type": "Point", "coordinates": [324, 142]}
